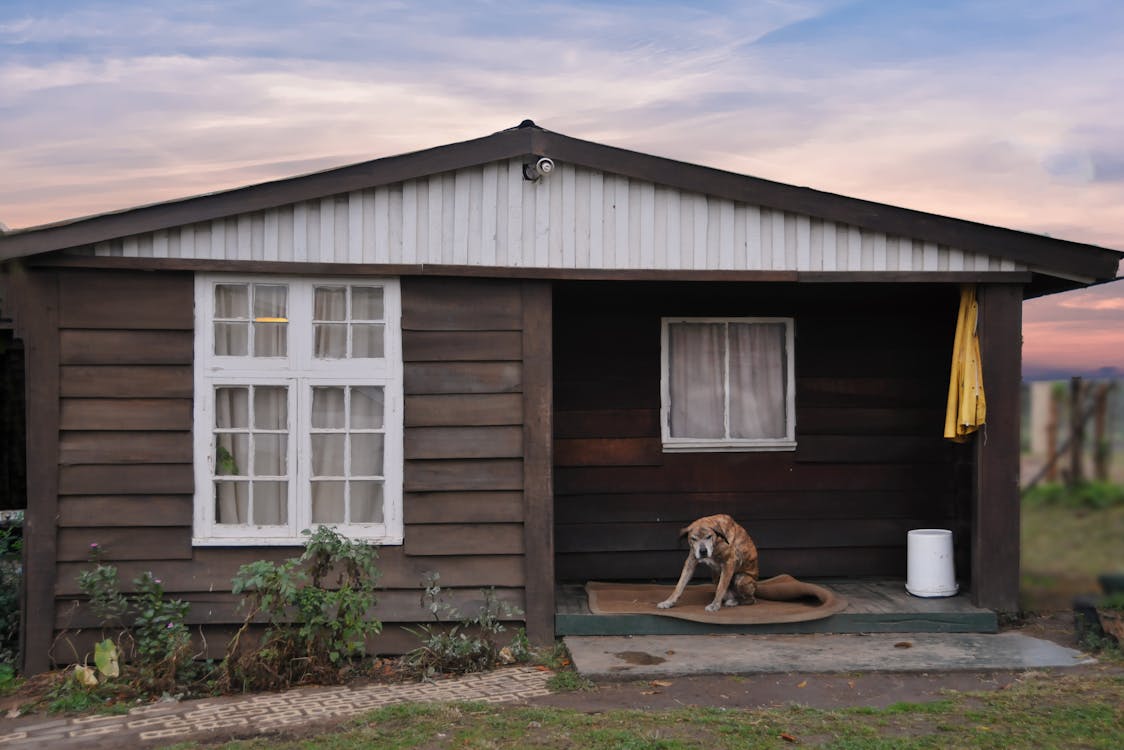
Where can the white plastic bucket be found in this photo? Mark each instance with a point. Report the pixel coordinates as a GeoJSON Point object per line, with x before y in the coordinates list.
{"type": "Point", "coordinates": [930, 566]}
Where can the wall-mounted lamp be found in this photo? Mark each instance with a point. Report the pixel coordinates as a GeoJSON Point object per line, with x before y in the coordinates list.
{"type": "Point", "coordinates": [538, 170]}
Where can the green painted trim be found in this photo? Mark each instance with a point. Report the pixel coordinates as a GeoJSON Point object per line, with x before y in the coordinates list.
{"type": "Point", "coordinates": [963, 622]}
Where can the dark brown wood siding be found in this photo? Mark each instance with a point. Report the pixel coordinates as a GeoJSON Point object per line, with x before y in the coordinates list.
{"type": "Point", "coordinates": [872, 365]}
{"type": "Point", "coordinates": [125, 450]}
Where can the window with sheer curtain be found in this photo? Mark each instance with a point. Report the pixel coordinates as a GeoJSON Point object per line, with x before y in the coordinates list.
{"type": "Point", "coordinates": [727, 384]}
{"type": "Point", "coordinates": [298, 409]}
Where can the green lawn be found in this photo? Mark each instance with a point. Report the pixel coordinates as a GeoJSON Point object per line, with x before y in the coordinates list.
{"type": "Point", "coordinates": [1064, 550]}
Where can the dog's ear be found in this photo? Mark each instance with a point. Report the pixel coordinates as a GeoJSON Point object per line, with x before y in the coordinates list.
{"type": "Point", "coordinates": [718, 533]}
{"type": "Point", "coordinates": [684, 531]}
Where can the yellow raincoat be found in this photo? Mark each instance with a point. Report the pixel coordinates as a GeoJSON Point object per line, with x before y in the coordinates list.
{"type": "Point", "coordinates": [967, 408]}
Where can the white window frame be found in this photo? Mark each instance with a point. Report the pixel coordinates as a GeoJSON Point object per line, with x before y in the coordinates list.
{"type": "Point", "coordinates": [672, 444]}
{"type": "Point", "coordinates": [299, 371]}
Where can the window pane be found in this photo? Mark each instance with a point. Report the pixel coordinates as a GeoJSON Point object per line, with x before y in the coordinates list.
{"type": "Point", "coordinates": [696, 357]}
{"type": "Point", "coordinates": [330, 303]}
{"type": "Point", "coordinates": [232, 454]}
{"type": "Point", "coordinates": [366, 340]}
{"type": "Point", "coordinates": [366, 454]}
{"type": "Point", "coordinates": [327, 502]}
{"type": "Point", "coordinates": [330, 341]}
{"type": "Point", "coordinates": [366, 408]}
{"type": "Point", "coordinates": [270, 301]}
{"type": "Point", "coordinates": [270, 340]}
{"type": "Point", "coordinates": [271, 505]}
{"type": "Point", "coordinates": [232, 301]}
{"type": "Point", "coordinates": [327, 455]}
{"type": "Point", "coordinates": [232, 411]}
{"type": "Point", "coordinates": [366, 502]}
{"type": "Point", "coordinates": [366, 303]}
{"type": "Point", "coordinates": [327, 408]}
{"type": "Point", "coordinates": [232, 339]}
{"type": "Point", "coordinates": [270, 455]}
{"type": "Point", "coordinates": [232, 502]}
{"type": "Point", "coordinates": [758, 380]}
{"type": "Point", "coordinates": [271, 408]}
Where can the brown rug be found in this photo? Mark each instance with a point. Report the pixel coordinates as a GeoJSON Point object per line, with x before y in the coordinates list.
{"type": "Point", "coordinates": [779, 599]}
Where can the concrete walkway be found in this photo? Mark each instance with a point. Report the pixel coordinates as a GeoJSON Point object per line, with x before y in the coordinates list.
{"type": "Point", "coordinates": [166, 723]}
{"type": "Point", "coordinates": [625, 657]}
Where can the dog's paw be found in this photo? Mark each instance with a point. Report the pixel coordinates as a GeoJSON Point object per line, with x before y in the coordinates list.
{"type": "Point", "coordinates": [714, 606]}
{"type": "Point", "coordinates": [667, 604]}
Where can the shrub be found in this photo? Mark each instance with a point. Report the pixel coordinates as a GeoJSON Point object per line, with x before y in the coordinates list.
{"type": "Point", "coordinates": [317, 609]}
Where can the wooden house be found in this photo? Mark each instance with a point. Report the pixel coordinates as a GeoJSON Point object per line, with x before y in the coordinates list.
{"type": "Point", "coordinates": [519, 361]}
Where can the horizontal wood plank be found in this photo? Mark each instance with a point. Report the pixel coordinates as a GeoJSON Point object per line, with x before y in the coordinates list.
{"type": "Point", "coordinates": [122, 299]}
{"type": "Point", "coordinates": [464, 475]}
{"type": "Point", "coordinates": [665, 565]}
{"type": "Point", "coordinates": [125, 447]}
{"type": "Point", "coordinates": [83, 511]}
{"type": "Point", "coordinates": [747, 507]}
{"type": "Point", "coordinates": [465, 539]}
{"type": "Point", "coordinates": [607, 423]}
{"type": "Point", "coordinates": [464, 409]}
{"type": "Point", "coordinates": [128, 414]}
{"type": "Point", "coordinates": [213, 568]}
{"type": "Point", "coordinates": [135, 381]}
{"type": "Point", "coordinates": [119, 479]}
{"type": "Point", "coordinates": [462, 377]}
{"type": "Point", "coordinates": [223, 608]}
{"type": "Point", "coordinates": [768, 535]}
{"type": "Point", "coordinates": [125, 543]}
{"type": "Point", "coordinates": [117, 347]}
{"type": "Point", "coordinates": [463, 442]}
{"type": "Point", "coordinates": [455, 346]}
{"type": "Point", "coordinates": [754, 472]}
{"type": "Point", "coordinates": [463, 507]}
{"type": "Point", "coordinates": [608, 452]}
{"type": "Point", "coordinates": [864, 449]}
{"type": "Point", "coordinates": [832, 420]}
{"type": "Point", "coordinates": [460, 305]}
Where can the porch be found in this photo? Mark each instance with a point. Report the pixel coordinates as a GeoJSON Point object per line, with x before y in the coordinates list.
{"type": "Point", "coordinates": [873, 606]}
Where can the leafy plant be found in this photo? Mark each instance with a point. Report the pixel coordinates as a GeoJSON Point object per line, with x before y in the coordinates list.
{"type": "Point", "coordinates": [317, 608]}
{"type": "Point", "coordinates": [149, 628]}
{"type": "Point", "coordinates": [470, 645]}
{"type": "Point", "coordinates": [11, 573]}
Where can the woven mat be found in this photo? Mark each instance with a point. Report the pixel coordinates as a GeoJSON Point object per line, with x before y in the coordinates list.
{"type": "Point", "coordinates": [779, 599]}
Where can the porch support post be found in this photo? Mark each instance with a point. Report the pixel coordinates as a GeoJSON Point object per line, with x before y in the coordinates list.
{"type": "Point", "coordinates": [995, 501]}
{"type": "Point", "coordinates": [36, 317]}
{"type": "Point", "coordinates": [538, 459]}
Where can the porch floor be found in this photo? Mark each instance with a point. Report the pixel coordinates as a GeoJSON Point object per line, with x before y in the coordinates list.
{"type": "Point", "coordinates": [873, 606]}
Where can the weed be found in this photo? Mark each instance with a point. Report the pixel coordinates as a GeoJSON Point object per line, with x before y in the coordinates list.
{"type": "Point", "coordinates": [469, 646]}
{"type": "Point", "coordinates": [316, 626]}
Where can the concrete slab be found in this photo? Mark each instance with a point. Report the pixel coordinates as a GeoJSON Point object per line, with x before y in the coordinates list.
{"type": "Point", "coordinates": [626, 657]}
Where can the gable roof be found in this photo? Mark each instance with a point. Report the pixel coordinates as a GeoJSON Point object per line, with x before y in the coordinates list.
{"type": "Point", "coordinates": [1070, 261]}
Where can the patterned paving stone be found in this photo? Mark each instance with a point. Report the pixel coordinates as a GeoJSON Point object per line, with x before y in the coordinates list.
{"type": "Point", "coordinates": [162, 722]}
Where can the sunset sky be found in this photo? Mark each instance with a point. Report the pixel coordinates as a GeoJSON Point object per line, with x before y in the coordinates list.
{"type": "Point", "coordinates": [1007, 112]}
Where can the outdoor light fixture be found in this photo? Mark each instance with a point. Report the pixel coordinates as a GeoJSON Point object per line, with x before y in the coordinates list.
{"type": "Point", "coordinates": [538, 170]}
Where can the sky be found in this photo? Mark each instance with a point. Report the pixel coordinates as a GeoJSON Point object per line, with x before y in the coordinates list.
{"type": "Point", "coordinates": [1006, 112]}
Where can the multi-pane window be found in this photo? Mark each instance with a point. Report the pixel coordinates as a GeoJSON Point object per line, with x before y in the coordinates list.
{"type": "Point", "coordinates": [727, 384]}
{"type": "Point", "coordinates": [298, 409]}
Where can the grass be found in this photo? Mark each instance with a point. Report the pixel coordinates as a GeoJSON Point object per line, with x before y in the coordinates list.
{"type": "Point", "coordinates": [1064, 550]}
{"type": "Point", "coordinates": [1041, 710]}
